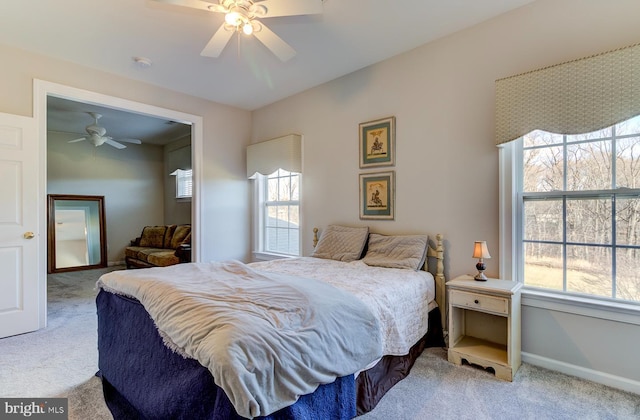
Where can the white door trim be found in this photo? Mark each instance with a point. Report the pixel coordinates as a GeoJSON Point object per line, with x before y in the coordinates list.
{"type": "Point", "coordinates": [42, 89]}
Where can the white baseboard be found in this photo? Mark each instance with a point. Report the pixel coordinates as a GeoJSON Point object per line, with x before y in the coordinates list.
{"type": "Point", "coordinates": [604, 378]}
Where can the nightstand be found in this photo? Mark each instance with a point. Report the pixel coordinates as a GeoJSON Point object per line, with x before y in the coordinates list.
{"type": "Point", "coordinates": [484, 324]}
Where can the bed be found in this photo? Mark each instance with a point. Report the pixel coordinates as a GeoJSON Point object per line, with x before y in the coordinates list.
{"type": "Point", "coordinates": [335, 355]}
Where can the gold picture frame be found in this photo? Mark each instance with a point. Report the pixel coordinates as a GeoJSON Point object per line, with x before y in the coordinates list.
{"type": "Point", "coordinates": [378, 143]}
{"type": "Point", "coordinates": [377, 195]}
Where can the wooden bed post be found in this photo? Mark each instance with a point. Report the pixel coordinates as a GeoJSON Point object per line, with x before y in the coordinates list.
{"type": "Point", "coordinates": [315, 237]}
{"type": "Point", "coordinates": [441, 294]}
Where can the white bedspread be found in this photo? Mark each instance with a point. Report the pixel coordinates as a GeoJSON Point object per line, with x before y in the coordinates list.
{"type": "Point", "coordinates": [399, 298]}
{"type": "Point", "coordinates": [267, 338]}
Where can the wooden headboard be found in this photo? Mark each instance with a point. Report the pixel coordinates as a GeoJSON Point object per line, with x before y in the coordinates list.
{"type": "Point", "coordinates": [436, 252]}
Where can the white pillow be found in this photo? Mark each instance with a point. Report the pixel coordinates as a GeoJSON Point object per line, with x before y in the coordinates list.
{"type": "Point", "coordinates": [406, 251]}
{"type": "Point", "coordinates": [341, 243]}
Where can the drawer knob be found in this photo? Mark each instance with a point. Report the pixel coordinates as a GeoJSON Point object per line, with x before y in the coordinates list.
{"type": "Point", "coordinates": [476, 301]}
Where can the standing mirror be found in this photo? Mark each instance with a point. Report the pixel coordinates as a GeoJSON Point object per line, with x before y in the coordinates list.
{"type": "Point", "coordinates": [76, 233]}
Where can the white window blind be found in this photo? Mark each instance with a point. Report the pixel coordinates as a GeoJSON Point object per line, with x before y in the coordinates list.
{"type": "Point", "coordinates": [184, 182]}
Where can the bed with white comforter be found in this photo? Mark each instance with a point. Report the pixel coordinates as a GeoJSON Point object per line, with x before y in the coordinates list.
{"type": "Point", "coordinates": [400, 299]}
{"type": "Point", "coordinates": [271, 335]}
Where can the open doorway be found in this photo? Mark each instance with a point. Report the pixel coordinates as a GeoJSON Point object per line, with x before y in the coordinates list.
{"type": "Point", "coordinates": [125, 157]}
{"type": "Point", "coordinates": [123, 169]}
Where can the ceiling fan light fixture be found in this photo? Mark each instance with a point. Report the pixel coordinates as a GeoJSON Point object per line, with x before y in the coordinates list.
{"type": "Point", "coordinates": [229, 28]}
{"type": "Point", "coordinates": [256, 26]}
{"type": "Point", "coordinates": [96, 129]}
{"type": "Point", "coordinates": [247, 28]}
{"type": "Point", "coordinates": [96, 139]}
{"type": "Point", "coordinates": [237, 16]}
{"type": "Point", "coordinates": [232, 18]}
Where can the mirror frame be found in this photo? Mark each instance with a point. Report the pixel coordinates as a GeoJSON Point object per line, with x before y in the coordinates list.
{"type": "Point", "coordinates": [51, 232]}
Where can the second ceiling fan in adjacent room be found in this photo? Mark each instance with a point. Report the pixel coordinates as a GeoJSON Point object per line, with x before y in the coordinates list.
{"type": "Point", "coordinates": [96, 135]}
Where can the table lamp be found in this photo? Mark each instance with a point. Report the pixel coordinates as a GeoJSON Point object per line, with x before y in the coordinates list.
{"type": "Point", "coordinates": [481, 252]}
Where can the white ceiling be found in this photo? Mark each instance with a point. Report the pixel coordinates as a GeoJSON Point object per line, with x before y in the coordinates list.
{"type": "Point", "coordinates": [71, 118]}
{"type": "Point", "coordinates": [349, 35]}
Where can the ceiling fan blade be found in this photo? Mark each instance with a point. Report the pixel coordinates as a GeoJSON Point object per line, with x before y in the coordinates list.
{"type": "Point", "coordinates": [115, 144]}
{"type": "Point", "coordinates": [77, 140]}
{"type": "Point", "coordinates": [290, 7]}
{"type": "Point", "coordinates": [194, 4]}
{"type": "Point", "coordinates": [281, 49]}
{"type": "Point", "coordinates": [132, 141]}
{"type": "Point", "coordinates": [217, 43]}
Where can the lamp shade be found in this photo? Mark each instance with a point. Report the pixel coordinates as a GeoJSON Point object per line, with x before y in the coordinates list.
{"type": "Point", "coordinates": [480, 250]}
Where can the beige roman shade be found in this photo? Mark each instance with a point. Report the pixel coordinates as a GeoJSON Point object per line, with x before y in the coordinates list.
{"type": "Point", "coordinates": [266, 157]}
{"type": "Point", "coordinates": [575, 97]}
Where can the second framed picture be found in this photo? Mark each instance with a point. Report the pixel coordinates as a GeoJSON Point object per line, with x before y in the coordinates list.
{"type": "Point", "coordinates": [377, 195]}
{"type": "Point", "coordinates": [377, 143]}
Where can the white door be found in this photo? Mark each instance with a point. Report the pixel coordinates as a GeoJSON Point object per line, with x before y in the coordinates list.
{"type": "Point", "coordinates": [19, 282]}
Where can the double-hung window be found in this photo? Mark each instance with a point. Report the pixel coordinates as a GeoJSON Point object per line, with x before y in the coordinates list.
{"type": "Point", "coordinates": [276, 167]}
{"type": "Point", "coordinates": [184, 183]}
{"type": "Point", "coordinates": [279, 213]}
{"type": "Point", "coordinates": [577, 211]}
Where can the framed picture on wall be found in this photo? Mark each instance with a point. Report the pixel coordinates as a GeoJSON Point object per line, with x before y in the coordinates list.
{"type": "Point", "coordinates": [377, 143]}
{"type": "Point", "coordinates": [377, 195]}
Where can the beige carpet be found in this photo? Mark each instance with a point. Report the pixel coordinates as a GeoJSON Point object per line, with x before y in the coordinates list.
{"type": "Point", "coordinates": [61, 360]}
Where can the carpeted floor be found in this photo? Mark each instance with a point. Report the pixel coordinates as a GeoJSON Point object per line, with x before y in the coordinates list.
{"type": "Point", "coordinates": [438, 389]}
{"type": "Point", "coordinates": [61, 360]}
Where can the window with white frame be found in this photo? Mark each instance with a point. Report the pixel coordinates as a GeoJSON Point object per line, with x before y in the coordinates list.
{"type": "Point", "coordinates": [184, 183]}
{"type": "Point", "coordinates": [577, 212]}
{"type": "Point", "coordinates": [279, 213]}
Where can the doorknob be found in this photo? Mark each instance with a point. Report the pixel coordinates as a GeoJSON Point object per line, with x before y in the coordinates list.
{"type": "Point", "coordinates": [29, 235]}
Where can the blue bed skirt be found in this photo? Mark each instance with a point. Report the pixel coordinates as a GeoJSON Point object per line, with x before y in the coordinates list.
{"type": "Point", "coordinates": [143, 379]}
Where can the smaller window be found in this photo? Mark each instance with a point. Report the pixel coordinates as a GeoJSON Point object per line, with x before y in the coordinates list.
{"type": "Point", "coordinates": [184, 183]}
{"type": "Point", "coordinates": [279, 213]}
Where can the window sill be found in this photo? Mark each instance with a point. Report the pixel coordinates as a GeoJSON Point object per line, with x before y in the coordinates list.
{"type": "Point", "coordinates": [267, 256]}
{"type": "Point", "coordinates": [595, 308]}
{"type": "Point", "coordinates": [183, 199]}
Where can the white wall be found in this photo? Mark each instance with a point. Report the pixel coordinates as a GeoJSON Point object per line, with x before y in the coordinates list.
{"type": "Point", "coordinates": [131, 181]}
{"type": "Point", "coordinates": [224, 187]}
{"type": "Point", "coordinates": [442, 95]}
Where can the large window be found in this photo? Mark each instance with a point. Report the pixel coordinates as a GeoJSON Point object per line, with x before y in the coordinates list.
{"type": "Point", "coordinates": [279, 213]}
{"type": "Point", "coordinates": [578, 211]}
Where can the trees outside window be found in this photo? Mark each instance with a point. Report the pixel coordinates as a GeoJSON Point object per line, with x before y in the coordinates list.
{"type": "Point", "coordinates": [579, 198]}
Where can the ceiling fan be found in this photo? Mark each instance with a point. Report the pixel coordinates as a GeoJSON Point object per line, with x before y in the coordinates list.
{"type": "Point", "coordinates": [243, 15]}
{"type": "Point", "coordinates": [96, 135]}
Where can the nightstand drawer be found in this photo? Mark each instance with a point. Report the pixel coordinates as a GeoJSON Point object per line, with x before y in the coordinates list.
{"type": "Point", "coordinates": [479, 302]}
